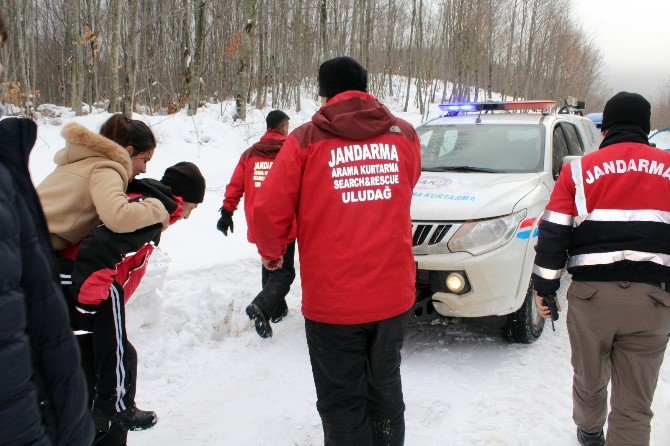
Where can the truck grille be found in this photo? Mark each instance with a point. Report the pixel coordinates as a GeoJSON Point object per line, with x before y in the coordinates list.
{"type": "Point", "coordinates": [433, 233]}
{"type": "Point", "coordinates": [422, 277]}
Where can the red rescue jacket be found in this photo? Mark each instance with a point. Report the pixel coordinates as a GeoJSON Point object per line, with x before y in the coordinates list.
{"type": "Point", "coordinates": [608, 217]}
{"type": "Point", "coordinates": [348, 175]}
{"type": "Point", "coordinates": [249, 174]}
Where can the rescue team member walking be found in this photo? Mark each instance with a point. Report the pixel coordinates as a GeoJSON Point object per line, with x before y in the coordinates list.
{"type": "Point", "coordinates": [609, 216]}
{"type": "Point", "coordinates": [355, 246]}
{"type": "Point", "coordinates": [108, 268]}
{"type": "Point", "coordinates": [255, 163]}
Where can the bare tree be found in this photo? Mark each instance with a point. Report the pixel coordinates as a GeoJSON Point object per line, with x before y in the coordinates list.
{"type": "Point", "coordinates": [244, 71]}
{"type": "Point", "coordinates": [115, 59]}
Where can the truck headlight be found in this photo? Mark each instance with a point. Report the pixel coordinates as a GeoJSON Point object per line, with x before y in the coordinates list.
{"type": "Point", "coordinates": [478, 237]}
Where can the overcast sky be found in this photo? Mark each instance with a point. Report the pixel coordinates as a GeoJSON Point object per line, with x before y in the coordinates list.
{"type": "Point", "coordinates": [634, 36]}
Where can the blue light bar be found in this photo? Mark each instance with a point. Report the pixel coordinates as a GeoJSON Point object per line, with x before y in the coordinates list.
{"type": "Point", "coordinates": [456, 107]}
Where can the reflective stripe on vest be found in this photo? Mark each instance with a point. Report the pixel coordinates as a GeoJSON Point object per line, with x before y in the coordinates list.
{"type": "Point", "coordinates": [580, 196]}
{"type": "Point", "coordinates": [606, 258]}
{"type": "Point", "coordinates": [546, 273]}
{"type": "Point", "coordinates": [650, 215]}
{"type": "Point", "coordinates": [557, 217]}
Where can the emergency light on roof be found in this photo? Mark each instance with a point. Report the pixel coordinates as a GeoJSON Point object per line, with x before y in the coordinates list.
{"type": "Point", "coordinates": [493, 106]}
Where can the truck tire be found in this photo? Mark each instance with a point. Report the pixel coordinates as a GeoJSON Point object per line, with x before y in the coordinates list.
{"type": "Point", "coordinates": [525, 325]}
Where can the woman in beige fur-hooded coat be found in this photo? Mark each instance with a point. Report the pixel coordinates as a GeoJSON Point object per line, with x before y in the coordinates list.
{"type": "Point", "coordinates": [89, 183]}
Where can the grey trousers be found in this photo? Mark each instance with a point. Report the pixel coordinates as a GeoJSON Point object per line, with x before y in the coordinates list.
{"type": "Point", "coordinates": [618, 331]}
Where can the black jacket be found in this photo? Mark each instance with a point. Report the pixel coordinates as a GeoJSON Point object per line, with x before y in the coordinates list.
{"type": "Point", "coordinates": [39, 358]}
{"type": "Point", "coordinates": [105, 257]}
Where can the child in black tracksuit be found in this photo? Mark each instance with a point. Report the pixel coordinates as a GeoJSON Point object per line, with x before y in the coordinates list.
{"type": "Point", "coordinates": [106, 270]}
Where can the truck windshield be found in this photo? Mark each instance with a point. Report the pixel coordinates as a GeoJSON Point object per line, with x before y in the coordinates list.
{"type": "Point", "coordinates": [493, 148]}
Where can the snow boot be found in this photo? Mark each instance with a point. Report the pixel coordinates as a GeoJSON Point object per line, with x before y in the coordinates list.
{"type": "Point", "coordinates": [281, 313]}
{"type": "Point", "coordinates": [587, 439]}
{"type": "Point", "coordinates": [261, 321]}
{"type": "Point", "coordinates": [131, 418]}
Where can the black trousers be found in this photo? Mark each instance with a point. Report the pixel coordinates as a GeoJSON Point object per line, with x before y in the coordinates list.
{"type": "Point", "coordinates": [356, 372]}
{"type": "Point", "coordinates": [276, 285]}
{"type": "Point", "coordinates": [109, 361]}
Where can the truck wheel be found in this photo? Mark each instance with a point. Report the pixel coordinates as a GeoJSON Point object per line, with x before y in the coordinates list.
{"type": "Point", "coordinates": [525, 325]}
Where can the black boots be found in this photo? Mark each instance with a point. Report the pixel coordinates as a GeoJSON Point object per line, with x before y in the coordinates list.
{"type": "Point", "coordinates": [261, 321]}
{"type": "Point", "coordinates": [132, 418]}
{"type": "Point", "coordinates": [587, 439]}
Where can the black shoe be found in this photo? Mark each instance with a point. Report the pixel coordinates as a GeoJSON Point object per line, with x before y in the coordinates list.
{"type": "Point", "coordinates": [587, 439]}
{"type": "Point", "coordinates": [281, 316]}
{"type": "Point", "coordinates": [261, 321]}
{"type": "Point", "coordinates": [132, 418]}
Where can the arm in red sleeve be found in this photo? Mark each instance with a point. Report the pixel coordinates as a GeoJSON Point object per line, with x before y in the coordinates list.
{"type": "Point", "coordinates": [235, 188]}
{"type": "Point", "coordinates": [555, 235]}
{"type": "Point", "coordinates": [417, 158]}
{"type": "Point", "coordinates": [276, 202]}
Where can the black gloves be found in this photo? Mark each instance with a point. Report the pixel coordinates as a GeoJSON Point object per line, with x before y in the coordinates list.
{"type": "Point", "coordinates": [225, 222]}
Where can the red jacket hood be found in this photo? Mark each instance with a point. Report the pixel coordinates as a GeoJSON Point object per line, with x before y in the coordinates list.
{"type": "Point", "coordinates": [269, 144]}
{"type": "Point", "coordinates": [354, 115]}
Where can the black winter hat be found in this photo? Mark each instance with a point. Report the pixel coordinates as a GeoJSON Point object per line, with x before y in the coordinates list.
{"type": "Point", "coordinates": [341, 74]}
{"type": "Point", "coordinates": [186, 181]}
{"type": "Point", "coordinates": [627, 108]}
{"type": "Point", "coordinates": [276, 118]}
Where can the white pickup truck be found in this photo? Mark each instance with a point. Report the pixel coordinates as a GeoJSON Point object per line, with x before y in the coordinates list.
{"type": "Point", "coordinates": [486, 179]}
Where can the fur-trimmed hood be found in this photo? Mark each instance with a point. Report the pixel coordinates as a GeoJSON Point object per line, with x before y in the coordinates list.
{"type": "Point", "coordinates": [81, 143]}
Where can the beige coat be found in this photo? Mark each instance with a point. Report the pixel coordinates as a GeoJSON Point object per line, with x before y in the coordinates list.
{"type": "Point", "coordinates": [88, 187]}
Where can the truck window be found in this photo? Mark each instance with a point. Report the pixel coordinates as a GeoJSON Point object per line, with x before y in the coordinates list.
{"type": "Point", "coordinates": [560, 150]}
{"type": "Point", "coordinates": [575, 146]}
{"type": "Point", "coordinates": [496, 147]}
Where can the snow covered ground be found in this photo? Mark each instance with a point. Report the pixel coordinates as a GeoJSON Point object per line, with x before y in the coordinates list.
{"type": "Point", "coordinates": [213, 381]}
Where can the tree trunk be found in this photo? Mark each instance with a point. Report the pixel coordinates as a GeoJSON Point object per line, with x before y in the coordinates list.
{"type": "Point", "coordinates": [131, 61]}
{"type": "Point", "coordinates": [76, 92]}
{"type": "Point", "coordinates": [115, 58]}
{"type": "Point", "coordinates": [244, 70]}
{"type": "Point", "coordinates": [323, 23]}
{"type": "Point", "coordinates": [411, 58]}
{"type": "Point", "coordinates": [196, 68]}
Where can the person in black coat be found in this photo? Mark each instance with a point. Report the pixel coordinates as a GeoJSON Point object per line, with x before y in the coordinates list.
{"type": "Point", "coordinates": [43, 392]}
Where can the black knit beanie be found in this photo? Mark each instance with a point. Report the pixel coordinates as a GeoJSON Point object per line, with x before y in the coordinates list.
{"type": "Point", "coordinates": [186, 181]}
{"type": "Point", "coordinates": [341, 74]}
{"type": "Point", "coordinates": [627, 108]}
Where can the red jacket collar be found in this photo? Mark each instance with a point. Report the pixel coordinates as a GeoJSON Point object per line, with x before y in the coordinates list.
{"type": "Point", "coordinates": [274, 135]}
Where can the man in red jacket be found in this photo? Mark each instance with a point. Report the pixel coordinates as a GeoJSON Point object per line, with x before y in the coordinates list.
{"type": "Point", "coordinates": [255, 163]}
{"type": "Point", "coordinates": [347, 176]}
{"type": "Point", "coordinates": [609, 218]}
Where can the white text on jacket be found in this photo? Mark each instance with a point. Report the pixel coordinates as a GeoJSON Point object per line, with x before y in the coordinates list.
{"type": "Point", "coordinates": [622, 166]}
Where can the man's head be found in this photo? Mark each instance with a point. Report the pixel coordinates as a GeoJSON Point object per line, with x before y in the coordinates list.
{"type": "Point", "coordinates": [277, 120]}
{"type": "Point", "coordinates": [341, 74]}
{"type": "Point", "coordinates": [628, 109]}
{"type": "Point", "coordinates": [187, 182]}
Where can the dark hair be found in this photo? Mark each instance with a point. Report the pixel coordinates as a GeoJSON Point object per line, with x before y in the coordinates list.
{"type": "Point", "coordinates": [276, 118]}
{"type": "Point", "coordinates": [129, 132]}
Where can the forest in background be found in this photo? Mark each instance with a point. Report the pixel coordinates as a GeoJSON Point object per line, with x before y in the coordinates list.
{"type": "Point", "coordinates": [159, 57]}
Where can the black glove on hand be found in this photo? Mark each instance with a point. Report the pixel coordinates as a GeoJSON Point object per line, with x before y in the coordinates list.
{"type": "Point", "coordinates": [225, 222]}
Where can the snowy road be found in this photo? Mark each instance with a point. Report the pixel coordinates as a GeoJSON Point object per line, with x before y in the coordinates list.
{"type": "Point", "coordinates": [213, 381]}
